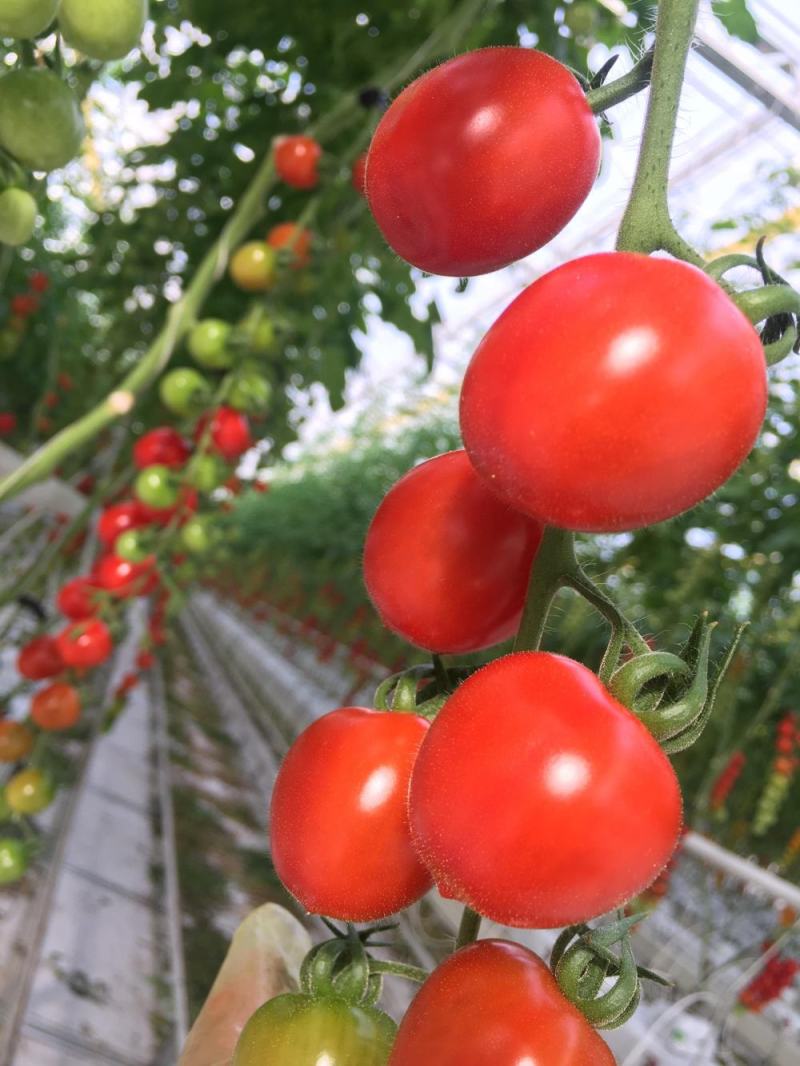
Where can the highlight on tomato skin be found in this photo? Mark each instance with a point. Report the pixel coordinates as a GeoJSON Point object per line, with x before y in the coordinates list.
{"type": "Point", "coordinates": [616, 391]}
{"type": "Point", "coordinates": [579, 807]}
{"type": "Point", "coordinates": [436, 525]}
{"type": "Point", "coordinates": [339, 805]}
{"type": "Point", "coordinates": [482, 160]}
{"type": "Point", "coordinates": [495, 1002]}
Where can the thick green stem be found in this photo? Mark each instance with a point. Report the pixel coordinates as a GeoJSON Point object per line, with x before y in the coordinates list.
{"type": "Point", "coordinates": [469, 928]}
{"type": "Point", "coordinates": [614, 92]}
{"type": "Point", "coordinates": [646, 225]}
{"type": "Point", "coordinates": [760, 304]}
{"type": "Point", "coordinates": [554, 561]}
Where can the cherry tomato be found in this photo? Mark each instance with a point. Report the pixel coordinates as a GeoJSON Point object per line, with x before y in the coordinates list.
{"type": "Point", "coordinates": [339, 825]}
{"type": "Point", "coordinates": [206, 473]}
{"type": "Point", "coordinates": [123, 578]}
{"type": "Point", "coordinates": [296, 161]}
{"type": "Point", "coordinates": [8, 423]}
{"type": "Point", "coordinates": [182, 390]}
{"type": "Point", "coordinates": [117, 519]}
{"type": "Point", "coordinates": [482, 160]}
{"type": "Point", "coordinates": [538, 799]}
{"type": "Point", "coordinates": [56, 707]}
{"type": "Point", "coordinates": [163, 446]}
{"type": "Point", "coordinates": [358, 175]}
{"type": "Point", "coordinates": [297, 1030]}
{"type": "Point", "coordinates": [208, 344]}
{"type": "Point", "coordinates": [252, 267]}
{"type": "Point", "coordinates": [132, 546]}
{"type": "Point", "coordinates": [495, 1003]}
{"type": "Point", "coordinates": [249, 390]}
{"type": "Point", "coordinates": [296, 241]}
{"type": "Point", "coordinates": [16, 741]}
{"type": "Point", "coordinates": [29, 792]}
{"type": "Point", "coordinates": [445, 562]}
{"type": "Point", "coordinates": [196, 536]}
{"type": "Point", "coordinates": [85, 644]}
{"type": "Point", "coordinates": [40, 658]}
{"type": "Point", "coordinates": [615, 392]}
{"type": "Point", "coordinates": [229, 434]}
{"type": "Point", "coordinates": [145, 659]}
{"type": "Point", "coordinates": [156, 487]}
{"type": "Point", "coordinates": [77, 599]}
{"type": "Point", "coordinates": [13, 860]}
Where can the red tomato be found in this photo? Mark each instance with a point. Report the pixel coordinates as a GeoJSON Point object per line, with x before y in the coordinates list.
{"type": "Point", "coordinates": [495, 1003]}
{"type": "Point", "coordinates": [38, 282]}
{"type": "Point", "coordinates": [482, 160]}
{"type": "Point", "coordinates": [446, 563]}
{"type": "Point", "coordinates": [56, 707]}
{"type": "Point", "coordinates": [358, 175]}
{"type": "Point", "coordinates": [118, 518]}
{"type": "Point", "coordinates": [8, 423]}
{"type": "Point", "coordinates": [296, 161]}
{"type": "Point", "coordinates": [40, 658]}
{"type": "Point", "coordinates": [65, 381]}
{"type": "Point", "coordinates": [86, 643]}
{"type": "Point", "coordinates": [230, 432]}
{"type": "Point", "coordinates": [338, 822]}
{"type": "Point", "coordinates": [16, 741]}
{"type": "Point", "coordinates": [538, 799]}
{"type": "Point", "coordinates": [294, 238]}
{"type": "Point", "coordinates": [123, 578]}
{"type": "Point", "coordinates": [616, 391]}
{"type": "Point", "coordinates": [76, 599]}
{"type": "Point", "coordinates": [161, 447]}
{"type": "Point", "coordinates": [145, 659]}
{"type": "Point", "coordinates": [24, 305]}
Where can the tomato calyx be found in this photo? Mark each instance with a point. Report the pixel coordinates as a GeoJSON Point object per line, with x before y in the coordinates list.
{"type": "Point", "coordinates": [421, 690]}
{"type": "Point", "coordinates": [582, 959]}
{"type": "Point", "coordinates": [674, 695]}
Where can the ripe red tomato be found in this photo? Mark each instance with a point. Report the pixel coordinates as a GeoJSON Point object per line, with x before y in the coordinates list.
{"type": "Point", "coordinates": [296, 161]}
{"type": "Point", "coordinates": [123, 578]}
{"type": "Point", "coordinates": [338, 821]}
{"type": "Point", "coordinates": [8, 423]}
{"type": "Point", "coordinates": [538, 799]}
{"type": "Point", "coordinates": [145, 659]}
{"type": "Point", "coordinates": [482, 160]}
{"type": "Point", "coordinates": [76, 599]}
{"type": "Point", "coordinates": [230, 432]}
{"type": "Point", "coordinates": [295, 239]}
{"type": "Point", "coordinates": [40, 658]}
{"type": "Point", "coordinates": [85, 644]}
{"type": "Point", "coordinates": [118, 518]}
{"type": "Point", "coordinates": [495, 1002]}
{"type": "Point", "coordinates": [56, 707]}
{"type": "Point", "coordinates": [38, 282]}
{"type": "Point", "coordinates": [16, 741]}
{"type": "Point", "coordinates": [24, 305]}
{"type": "Point", "coordinates": [615, 392]}
{"type": "Point", "coordinates": [163, 446]}
{"type": "Point", "coordinates": [446, 563]}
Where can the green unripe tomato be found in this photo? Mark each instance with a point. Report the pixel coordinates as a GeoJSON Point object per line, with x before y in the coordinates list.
{"type": "Point", "coordinates": [205, 473]}
{"type": "Point", "coordinates": [183, 389]}
{"type": "Point", "coordinates": [130, 545]}
{"type": "Point", "coordinates": [17, 216]}
{"type": "Point", "coordinates": [257, 332]}
{"type": "Point", "coordinates": [41, 124]}
{"type": "Point", "coordinates": [297, 1030]}
{"type": "Point", "coordinates": [196, 537]}
{"type": "Point", "coordinates": [13, 860]}
{"type": "Point", "coordinates": [208, 344]}
{"type": "Point", "coordinates": [26, 18]}
{"type": "Point", "coordinates": [249, 391]}
{"type": "Point", "coordinates": [155, 486]}
{"type": "Point", "coordinates": [580, 18]}
{"type": "Point", "coordinates": [29, 792]}
{"type": "Point", "coordinates": [103, 29]}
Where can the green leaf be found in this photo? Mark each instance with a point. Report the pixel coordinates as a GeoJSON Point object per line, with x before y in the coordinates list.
{"type": "Point", "coordinates": [736, 18]}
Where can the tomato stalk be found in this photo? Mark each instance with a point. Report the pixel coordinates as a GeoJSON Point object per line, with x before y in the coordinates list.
{"type": "Point", "coordinates": [398, 969]}
{"type": "Point", "coordinates": [603, 97]}
{"type": "Point", "coordinates": [469, 928]}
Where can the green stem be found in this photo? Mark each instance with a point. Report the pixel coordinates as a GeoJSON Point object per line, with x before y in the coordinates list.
{"type": "Point", "coordinates": [469, 928]}
{"type": "Point", "coordinates": [759, 304]}
{"type": "Point", "coordinates": [399, 969]}
{"type": "Point", "coordinates": [614, 92]}
{"type": "Point", "coordinates": [554, 561]}
{"type": "Point", "coordinates": [647, 225]}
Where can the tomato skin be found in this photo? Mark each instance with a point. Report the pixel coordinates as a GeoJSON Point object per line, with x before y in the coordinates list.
{"type": "Point", "coordinates": [28, 792]}
{"type": "Point", "coordinates": [338, 823]}
{"type": "Point", "coordinates": [482, 160]}
{"type": "Point", "coordinates": [579, 809]}
{"type": "Point", "coordinates": [229, 434]}
{"type": "Point", "coordinates": [13, 860]}
{"type": "Point", "coordinates": [16, 741]}
{"type": "Point", "coordinates": [495, 1002]}
{"type": "Point", "coordinates": [208, 344]}
{"type": "Point", "coordinates": [56, 707]}
{"type": "Point", "coordinates": [119, 518]}
{"type": "Point", "coordinates": [162, 446]}
{"type": "Point", "coordinates": [183, 389]}
{"type": "Point", "coordinates": [123, 578]}
{"type": "Point", "coordinates": [616, 391]}
{"type": "Point", "coordinates": [40, 658]}
{"type": "Point", "coordinates": [76, 599]}
{"type": "Point", "coordinates": [156, 488]}
{"type": "Point", "coordinates": [299, 1030]}
{"type": "Point", "coordinates": [295, 239]}
{"type": "Point", "coordinates": [252, 267]}
{"type": "Point", "coordinates": [85, 644]}
{"type": "Point", "coordinates": [446, 563]}
{"type": "Point", "coordinates": [296, 161]}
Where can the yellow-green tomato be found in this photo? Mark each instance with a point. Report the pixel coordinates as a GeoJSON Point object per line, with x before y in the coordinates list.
{"type": "Point", "coordinates": [130, 545]}
{"type": "Point", "coordinates": [17, 216]}
{"type": "Point", "coordinates": [249, 391]}
{"type": "Point", "coordinates": [41, 124]}
{"type": "Point", "coordinates": [208, 344]}
{"type": "Point", "coordinates": [196, 537]}
{"type": "Point", "coordinates": [13, 860]}
{"type": "Point", "coordinates": [103, 29]}
{"type": "Point", "coordinates": [297, 1030]}
{"type": "Point", "coordinates": [155, 486]}
{"type": "Point", "coordinates": [26, 18]}
{"type": "Point", "coordinates": [29, 792]}
{"type": "Point", "coordinates": [183, 389]}
{"type": "Point", "coordinates": [205, 473]}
